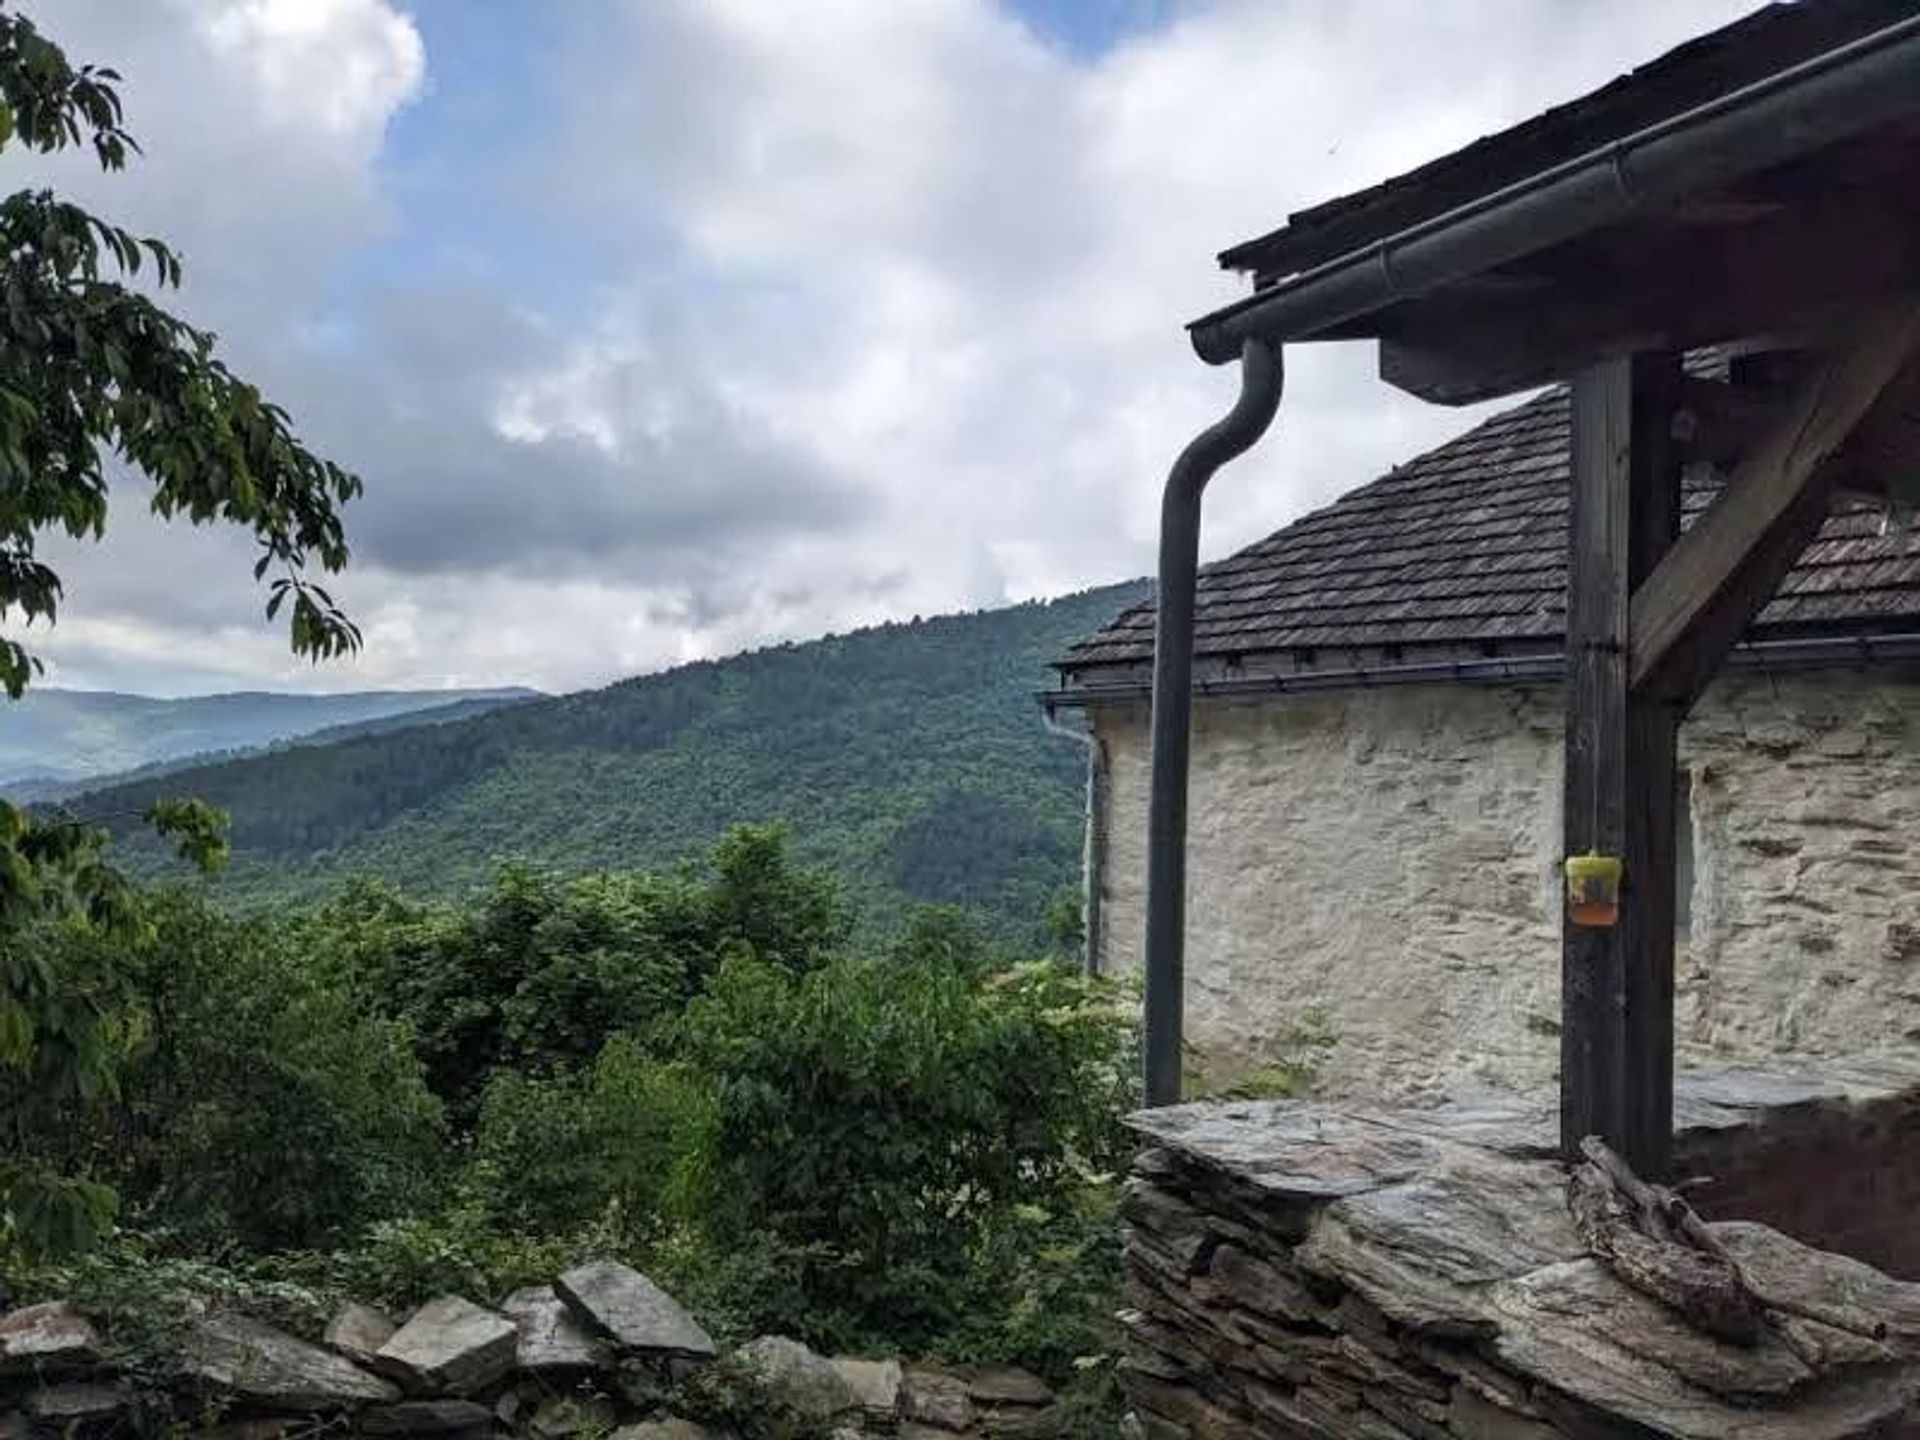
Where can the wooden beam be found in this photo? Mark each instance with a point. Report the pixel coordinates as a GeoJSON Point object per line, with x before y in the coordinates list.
{"type": "Point", "coordinates": [1616, 1039]}
{"type": "Point", "coordinates": [1658, 287]}
{"type": "Point", "coordinates": [1698, 601]}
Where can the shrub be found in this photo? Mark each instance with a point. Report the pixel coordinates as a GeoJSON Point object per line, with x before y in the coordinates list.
{"type": "Point", "coordinates": [539, 972]}
{"type": "Point", "coordinates": [877, 1125]}
{"type": "Point", "coordinates": [619, 1143]}
{"type": "Point", "coordinates": [262, 1106]}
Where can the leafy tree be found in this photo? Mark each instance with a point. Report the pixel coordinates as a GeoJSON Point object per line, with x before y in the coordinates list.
{"type": "Point", "coordinates": [95, 375]}
{"type": "Point", "coordinates": [91, 370]}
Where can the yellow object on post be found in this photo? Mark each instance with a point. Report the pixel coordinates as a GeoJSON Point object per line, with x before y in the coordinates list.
{"type": "Point", "coordinates": [1593, 890]}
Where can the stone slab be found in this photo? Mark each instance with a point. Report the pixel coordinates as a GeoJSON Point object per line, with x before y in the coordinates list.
{"type": "Point", "coordinates": [617, 1301]}
{"type": "Point", "coordinates": [251, 1359]}
{"type": "Point", "coordinates": [427, 1417]}
{"type": "Point", "coordinates": [359, 1331]}
{"type": "Point", "coordinates": [876, 1383]}
{"type": "Point", "coordinates": [74, 1408]}
{"type": "Point", "coordinates": [550, 1336]}
{"type": "Point", "coordinates": [1005, 1385]}
{"type": "Point", "coordinates": [795, 1379]}
{"type": "Point", "coordinates": [51, 1338]}
{"type": "Point", "coordinates": [671, 1428]}
{"type": "Point", "coordinates": [450, 1344]}
{"type": "Point", "coordinates": [935, 1397]}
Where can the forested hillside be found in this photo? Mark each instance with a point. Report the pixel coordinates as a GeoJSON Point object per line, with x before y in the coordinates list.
{"type": "Point", "coordinates": [909, 759]}
{"type": "Point", "coordinates": [51, 736]}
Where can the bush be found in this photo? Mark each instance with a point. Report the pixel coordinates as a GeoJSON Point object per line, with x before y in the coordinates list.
{"type": "Point", "coordinates": [877, 1126]}
{"type": "Point", "coordinates": [619, 1144]}
{"type": "Point", "coordinates": [540, 972]}
{"type": "Point", "coordinates": [262, 1107]}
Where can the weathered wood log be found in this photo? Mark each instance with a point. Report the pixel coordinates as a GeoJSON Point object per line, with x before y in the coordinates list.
{"type": "Point", "coordinates": [1655, 1242]}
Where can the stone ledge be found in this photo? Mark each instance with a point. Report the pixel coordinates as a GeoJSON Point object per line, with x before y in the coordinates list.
{"type": "Point", "coordinates": [1346, 1270]}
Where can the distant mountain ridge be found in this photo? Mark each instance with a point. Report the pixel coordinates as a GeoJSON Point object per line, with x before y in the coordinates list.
{"type": "Point", "coordinates": [909, 758]}
{"type": "Point", "coordinates": [51, 738]}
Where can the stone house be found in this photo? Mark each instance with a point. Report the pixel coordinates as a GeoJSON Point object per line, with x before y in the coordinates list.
{"type": "Point", "coordinates": [1375, 812]}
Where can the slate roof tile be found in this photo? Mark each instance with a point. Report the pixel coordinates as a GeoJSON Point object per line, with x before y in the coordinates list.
{"type": "Point", "coordinates": [1466, 544]}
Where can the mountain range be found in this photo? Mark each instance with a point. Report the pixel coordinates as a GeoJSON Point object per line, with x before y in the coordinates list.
{"type": "Point", "coordinates": [54, 740]}
{"type": "Point", "coordinates": [909, 758]}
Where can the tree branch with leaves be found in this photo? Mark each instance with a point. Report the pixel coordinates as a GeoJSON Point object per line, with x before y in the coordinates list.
{"type": "Point", "coordinates": [98, 381]}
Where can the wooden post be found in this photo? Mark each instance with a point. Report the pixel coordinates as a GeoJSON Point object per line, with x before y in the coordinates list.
{"type": "Point", "coordinates": [1616, 1043]}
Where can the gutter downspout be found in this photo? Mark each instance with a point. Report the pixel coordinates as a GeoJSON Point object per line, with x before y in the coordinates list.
{"type": "Point", "coordinates": [1262, 378]}
{"type": "Point", "coordinates": [1093, 857]}
{"type": "Point", "coordinates": [1845, 90]}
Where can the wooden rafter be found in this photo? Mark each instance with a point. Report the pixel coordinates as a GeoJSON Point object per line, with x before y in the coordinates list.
{"type": "Point", "coordinates": [1672, 286]}
{"type": "Point", "coordinates": [1696, 603]}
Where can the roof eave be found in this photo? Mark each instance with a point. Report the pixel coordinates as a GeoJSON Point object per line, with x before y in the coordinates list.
{"type": "Point", "coordinates": [1841, 92]}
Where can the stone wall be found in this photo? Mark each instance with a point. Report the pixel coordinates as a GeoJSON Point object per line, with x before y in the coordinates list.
{"type": "Point", "coordinates": [602, 1352]}
{"type": "Point", "coordinates": [1342, 1272]}
{"type": "Point", "coordinates": [1844, 1177]}
{"type": "Point", "coordinates": [1386, 862]}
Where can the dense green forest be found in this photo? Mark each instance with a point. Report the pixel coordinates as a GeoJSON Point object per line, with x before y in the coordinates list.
{"type": "Point", "coordinates": [909, 760]}
{"type": "Point", "coordinates": [900, 1145]}
{"type": "Point", "coordinates": [53, 735]}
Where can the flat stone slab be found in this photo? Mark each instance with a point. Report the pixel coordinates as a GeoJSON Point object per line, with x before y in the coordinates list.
{"type": "Point", "coordinates": [614, 1300]}
{"type": "Point", "coordinates": [252, 1359]}
{"type": "Point", "coordinates": [1292, 1149]}
{"type": "Point", "coordinates": [359, 1331]}
{"type": "Point", "coordinates": [875, 1382]}
{"type": "Point", "coordinates": [427, 1417]}
{"type": "Point", "coordinates": [792, 1376]}
{"type": "Point", "coordinates": [1364, 1271]}
{"type": "Point", "coordinates": [671, 1428]}
{"type": "Point", "coordinates": [550, 1337]}
{"type": "Point", "coordinates": [47, 1339]}
{"type": "Point", "coordinates": [935, 1397]}
{"type": "Point", "coordinates": [73, 1408]}
{"type": "Point", "coordinates": [450, 1344]}
{"type": "Point", "coordinates": [1005, 1385]}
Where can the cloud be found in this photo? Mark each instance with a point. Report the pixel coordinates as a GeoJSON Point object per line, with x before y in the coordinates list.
{"type": "Point", "coordinates": [879, 312]}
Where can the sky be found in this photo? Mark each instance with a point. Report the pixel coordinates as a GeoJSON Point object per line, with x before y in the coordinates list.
{"type": "Point", "coordinates": [661, 329]}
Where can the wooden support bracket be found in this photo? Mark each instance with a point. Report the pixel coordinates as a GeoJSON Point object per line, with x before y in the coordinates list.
{"type": "Point", "coordinates": [1697, 601]}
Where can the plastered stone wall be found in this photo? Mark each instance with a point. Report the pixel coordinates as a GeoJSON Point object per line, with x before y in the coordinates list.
{"type": "Point", "coordinates": [1379, 869]}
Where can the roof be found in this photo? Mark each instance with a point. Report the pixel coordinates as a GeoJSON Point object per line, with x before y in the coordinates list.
{"type": "Point", "coordinates": [1466, 547]}
{"type": "Point", "coordinates": [1770, 40]}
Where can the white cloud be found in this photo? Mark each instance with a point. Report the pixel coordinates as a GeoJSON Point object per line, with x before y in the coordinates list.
{"type": "Point", "coordinates": [895, 324]}
{"type": "Point", "coordinates": [342, 67]}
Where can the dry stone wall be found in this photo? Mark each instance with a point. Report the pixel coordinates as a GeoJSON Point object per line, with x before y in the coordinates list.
{"type": "Point", "coordinates": [1341, 1272]}
{"type": "Point", "coordinates": [1381, 866]}
{"type": "Point", "coordinates": [602, 1353]}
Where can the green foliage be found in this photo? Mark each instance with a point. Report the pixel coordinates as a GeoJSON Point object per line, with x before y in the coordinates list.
{"type": "Point", "coordinates": [908, 759]}
{"type": "Point", "coordinates": [259, 1105]}
{"type": "Point", "coordinates": [878, 1124]}
{"type": "Point", "coordinates": [904, 1144]}
{"type": "Point", "coordinates": [541, 971]}
{"type": "Point", "coordinates": [91, 372]}
{"type": "Point", "coordinates": [620, 1144]}
{"type": "Point", "coordinates": [68, 1018]}
{"type": "Point", "coordinates": [90, 369]}
{"type": "Point", "coordinates": [196, 828]}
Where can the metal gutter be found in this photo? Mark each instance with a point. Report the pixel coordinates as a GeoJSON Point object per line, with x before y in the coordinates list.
{"type": "Point", "coordinates": [1813, 652]}
{"type": "Point", "coordinates": [1093, 858]}
{"type": "Point", "coordinates": [1848, 89]}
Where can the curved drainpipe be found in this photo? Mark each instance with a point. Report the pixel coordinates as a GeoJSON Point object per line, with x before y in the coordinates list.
{"type": "Point", "coordinates": [1261, 380]}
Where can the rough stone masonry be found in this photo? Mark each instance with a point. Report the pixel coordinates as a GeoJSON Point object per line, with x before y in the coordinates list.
{"type": "Point", "coordinates": [1385, 863]}
{"type": "Point", "coordinates": [1345, 1272]}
